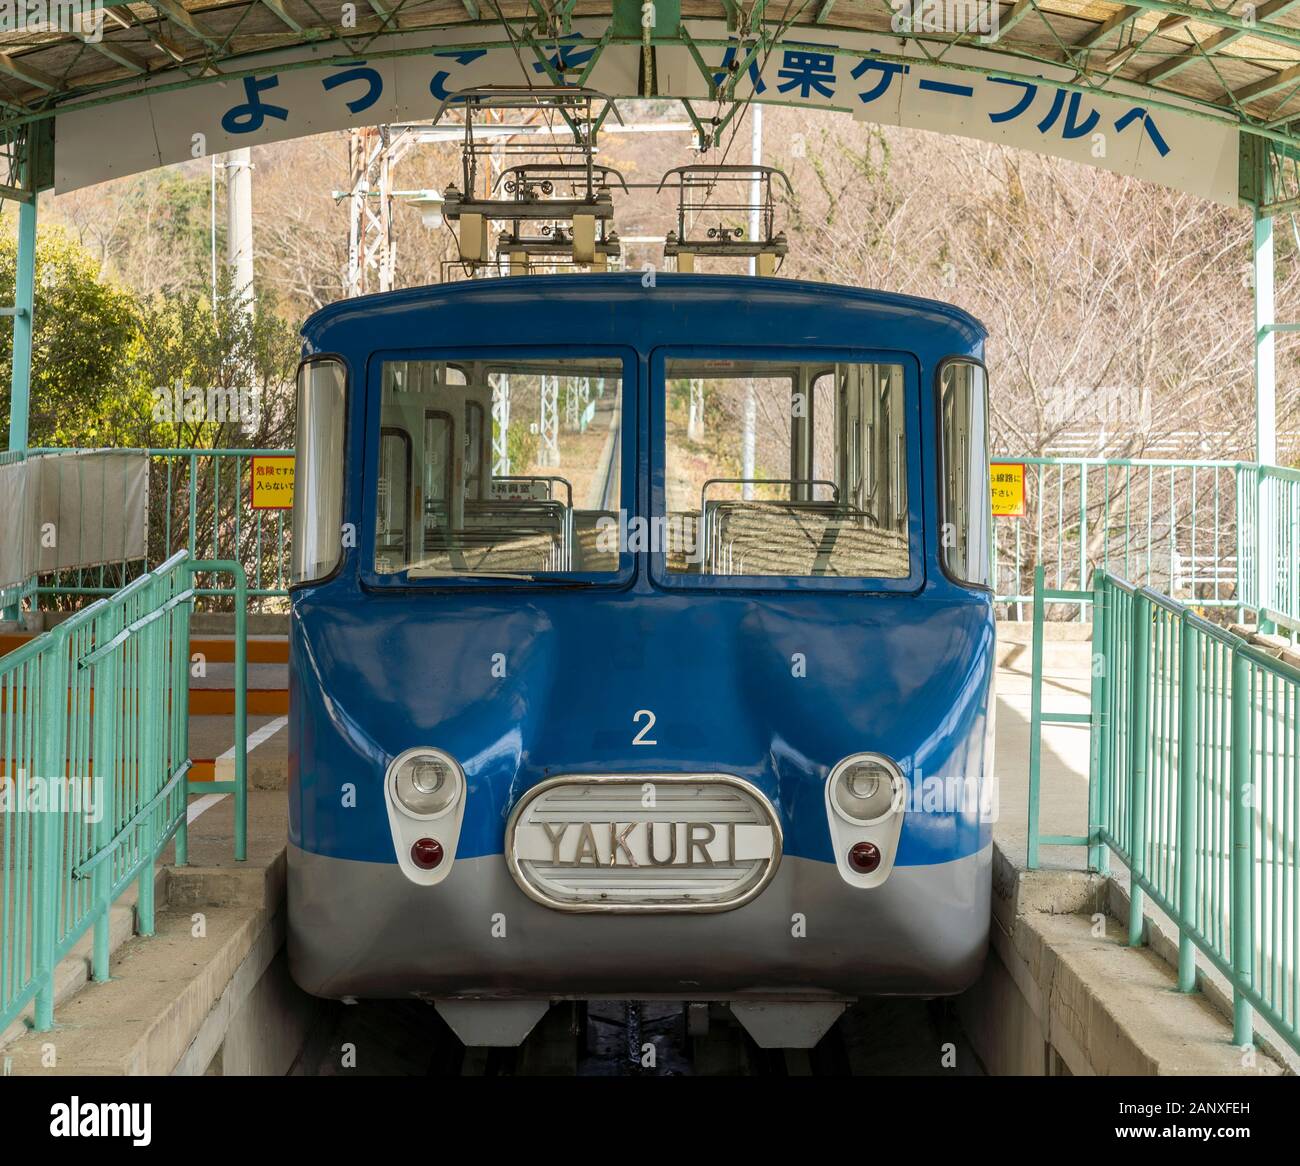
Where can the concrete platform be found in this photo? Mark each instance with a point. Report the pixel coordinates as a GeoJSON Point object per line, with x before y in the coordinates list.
{"type": "Point", "coordinates": [209, 991]}
{"type": "Point", "coordinates": [212, 741]}
{"type": "Point", "coordinates": [1062, 992]}
{"type": "Point", "coordinates": [1064, 995]}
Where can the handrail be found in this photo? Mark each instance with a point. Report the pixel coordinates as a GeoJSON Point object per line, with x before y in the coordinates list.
{"type": "Point", "coordinates": [1194, 777]}
{"type": "Point", "coordinates": [94, 756]}
{"type": "Point", "coordinates": [239, 786]}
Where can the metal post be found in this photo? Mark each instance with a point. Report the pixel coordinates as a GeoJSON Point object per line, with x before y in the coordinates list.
{"type": "Point", "coordinates": [1083, 532]}
{"type": "Point", "coordinates": [1241, 508]}
{"type": "Point", "coordinates": [755, 185]}
{"type": "Point", "coordinates": [24, 302]}
{"type": "Point", "coordinates": [1188, 677]}
{"type": "Point", "coordinates": [20, 381]}
{"type": "Point", "coordinates": [48, 766]}
{"type": "Point", "coordinates": [1035, 720]}
{"type": "Point", "coordinates": [194, 504]}
{"type": "Point", "coordinates": [178, 701]}
{"type": "Point", "coordinates": [150, 778]}
{"type": "Point", "coordinates": [106, 713]}
{"type": "Point", "coordinates": [1265, 390]}
{"type": "Point", "coordinates": [231, 567]}
{"type": "Point", "coordinates": [241, 712]}
{"type": "Point", "coordinates": [1137, 768]}
{"type": "Point", "coordinates": [548, 425]}
{"type": "Point", "coordinates": [1100, 707]}
{"type": "Point", "coordinates": [1241, 869]}
{"type": "Point", "coordinates": [501, 431]}
{"type": "Point", "coordinates": [1265, 344]}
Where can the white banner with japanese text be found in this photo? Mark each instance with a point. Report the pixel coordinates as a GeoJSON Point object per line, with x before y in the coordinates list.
{"type": "Point", "coordinates": [973, 92]}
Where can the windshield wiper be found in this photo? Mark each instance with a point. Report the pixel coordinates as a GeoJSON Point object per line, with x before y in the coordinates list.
{"type": "Point", "coordinates": [437, 573]}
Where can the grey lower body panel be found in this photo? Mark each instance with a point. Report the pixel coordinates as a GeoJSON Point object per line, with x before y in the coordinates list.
{"type": "Point", "coordinates": [362, 929]}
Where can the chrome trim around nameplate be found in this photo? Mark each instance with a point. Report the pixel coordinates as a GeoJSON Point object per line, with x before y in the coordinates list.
{"type": "Point", "coordinates": [748, 789]}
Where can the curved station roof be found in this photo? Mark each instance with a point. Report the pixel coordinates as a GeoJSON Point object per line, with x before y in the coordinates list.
{"type": "Point", "coordinates": [1202, 99]}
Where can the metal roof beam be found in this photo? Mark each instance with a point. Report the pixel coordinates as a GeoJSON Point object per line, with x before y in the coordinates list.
{"type": "Point", "coordinates": [123, 57]}
{"type": "Point", "coordinates": [1257, 26]}
{"type": "Point", "coordinates": [1119, 57]}
{"type": "Point", "coordinates": [1266, 85]}
{"type": "Point", "coordinates": [1019, 10]}
{"type": "Point", "coordinates": [1103, 30]}
{"type": "Point", "coordinates": [1220, 40]}
{"type": "Point", "coordinates": [306, 31]}
{"type": "Point", "coordinates": [118, 54]}
{"type": "Point", "coordinates": [177, 14]}
{"type": "Point", "coordinates": [32, 76]}
{"type": "Point", "coordinates": [278, 9]}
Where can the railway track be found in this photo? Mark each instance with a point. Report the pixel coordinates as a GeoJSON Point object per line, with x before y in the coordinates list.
{"type": "Point", "coordinates": [629, 1039]}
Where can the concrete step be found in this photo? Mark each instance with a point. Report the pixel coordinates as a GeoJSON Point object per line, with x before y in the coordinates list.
{"type": "Point", "coordinates": [212, 750]}
{"type": "Point", "coordinates": [73, 971]}
{"type": "Point", "coordinates": [261, 649]}
{"type": "Point", "coordinates": [144, 1018]}
{"type": "Point", "coordinates": [222, 623]}
{"type": "Point", "coordinates": [174, 994]}
{"type": "Point", "coordinates": [213, 693]}
{"type": "Point", "coordinates": [1061, 984]}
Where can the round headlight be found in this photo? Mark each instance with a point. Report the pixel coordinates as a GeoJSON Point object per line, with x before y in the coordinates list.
{"type": "Point", "coordinates": [863, 788]}
{"type": "Point", "coordinates": [426, 782]}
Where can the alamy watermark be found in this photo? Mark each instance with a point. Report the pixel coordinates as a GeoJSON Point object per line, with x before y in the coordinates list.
{"type": "Point", "coordinates": [661, 534]}
{"type": "Point", "coordinates": [179, 402]}
{"type": "Point", "coordinates": [84, 18]}
{"type": "Point", "coordinates": [946, 16]}
{"type": "Point", "coordinates": [961, 794]}
{"type": "Point", "coordinates": [32, 794]}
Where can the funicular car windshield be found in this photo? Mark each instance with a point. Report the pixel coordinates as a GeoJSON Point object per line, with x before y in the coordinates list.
{"type": "Point", "coordinates": [786, 468]}
{"type": "Point", "coordinates": [498, 467]}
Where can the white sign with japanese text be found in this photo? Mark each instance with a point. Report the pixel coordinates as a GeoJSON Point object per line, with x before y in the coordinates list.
{"type": "Point", "coordinates": [881, 79]}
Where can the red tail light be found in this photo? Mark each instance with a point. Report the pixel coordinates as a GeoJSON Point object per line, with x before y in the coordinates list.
{"type": "Point", "coordinates": [864, 857]}
{"type": "Point", "coordinates": [426, 853]}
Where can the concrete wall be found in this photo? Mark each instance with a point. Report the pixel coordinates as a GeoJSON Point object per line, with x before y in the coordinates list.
{"type": "Point", "coordinates": [1063, 993]}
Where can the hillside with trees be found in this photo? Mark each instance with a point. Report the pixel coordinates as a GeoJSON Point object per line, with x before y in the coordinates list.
{"type": "Point", "coordinates": [1120, 313]}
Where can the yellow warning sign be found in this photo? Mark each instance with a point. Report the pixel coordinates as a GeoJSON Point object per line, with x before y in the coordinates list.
{"type": "Point", "coordinates": [272, 479]}
{"type": "Point", "coordinates": [1007, 486]}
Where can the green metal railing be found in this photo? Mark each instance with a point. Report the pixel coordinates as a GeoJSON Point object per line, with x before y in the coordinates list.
{"type": "Point", "coordinates": [200, 500]}
{"type": "Point", "coordinates": [1173, 525]}
{"type": "Point", "coordinates": [1271, 570]}
{"type": "Point", "coordinates": [1196, 530]}
{"type": "Point", "coordinates": [1194, 784]}
{"type": "Point", "coordinates": [94, 757]}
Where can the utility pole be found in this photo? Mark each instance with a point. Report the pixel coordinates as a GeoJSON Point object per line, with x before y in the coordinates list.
{"type": "Point", "coordinates": [239, 225]}
{"type": "Point", "coordinates": [373, 153]}
{"type": "Point", "coordinates": [755, 195]}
